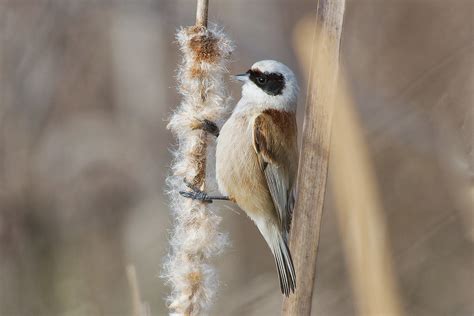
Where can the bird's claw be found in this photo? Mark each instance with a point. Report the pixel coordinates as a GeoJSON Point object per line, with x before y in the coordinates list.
{"type": "Point", "coordinates": [195, 194]}
{"type": "Point", "coordinates": [209, 127]}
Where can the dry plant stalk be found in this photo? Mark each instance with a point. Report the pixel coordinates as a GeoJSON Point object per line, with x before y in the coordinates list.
{"type": "Point", "coordinates": [139, 308]}
{"type": "Point", "coordinates": [361, 222]}
{"type": "Point", "coordinates": [195, 238]}
{"type": "Point", "coordinates": [314, 155]}
{"type": "Point", "coordinates": [360, 216]}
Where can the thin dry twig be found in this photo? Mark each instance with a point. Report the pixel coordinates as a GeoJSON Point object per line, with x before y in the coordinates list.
{"type": "Point", "coordinates": [139, 308]}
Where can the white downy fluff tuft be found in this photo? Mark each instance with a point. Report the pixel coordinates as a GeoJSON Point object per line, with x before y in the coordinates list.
{"type": "Point", "coordinates": [195, 238]}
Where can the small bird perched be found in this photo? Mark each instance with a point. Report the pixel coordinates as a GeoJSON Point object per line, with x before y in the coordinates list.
{"type": "Point", "coordinates": [257, 158]}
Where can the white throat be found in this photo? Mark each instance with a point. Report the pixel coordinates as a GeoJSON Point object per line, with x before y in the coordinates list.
{"type": "Point", "coordinates": [254, 98]}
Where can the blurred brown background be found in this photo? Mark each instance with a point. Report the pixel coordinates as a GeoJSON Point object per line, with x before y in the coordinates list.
{"type": "Point", "coordinates": [86, 88]}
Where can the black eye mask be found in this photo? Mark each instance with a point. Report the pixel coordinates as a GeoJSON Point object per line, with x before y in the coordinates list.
{"type": "Point", "coordinates": [272, 83]}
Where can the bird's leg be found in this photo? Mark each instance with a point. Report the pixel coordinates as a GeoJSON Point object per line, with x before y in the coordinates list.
{"type": "Point", "coordinates": [197, 194]}
{"type": "Point", "coordinates": [208, 126]}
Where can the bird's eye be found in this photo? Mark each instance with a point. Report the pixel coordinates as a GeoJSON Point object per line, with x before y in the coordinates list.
{"type": "Point", "coordinates": [262, 80]}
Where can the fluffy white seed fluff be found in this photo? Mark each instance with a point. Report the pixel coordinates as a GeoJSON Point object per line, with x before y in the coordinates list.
{"type": "Point", "coordinates": [195, 237]}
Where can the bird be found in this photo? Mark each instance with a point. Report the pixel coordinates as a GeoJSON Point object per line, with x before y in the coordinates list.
{"type": "Point", "coordinates": [257, 158]}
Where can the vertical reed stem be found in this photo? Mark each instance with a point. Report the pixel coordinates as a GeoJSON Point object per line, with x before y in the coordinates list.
{"type": "Point", "coordinates": [201, 12]}
{"type": "Point", "coordinates": [359, 210]}
{"type": "Point", "coordinates": [313, 164]}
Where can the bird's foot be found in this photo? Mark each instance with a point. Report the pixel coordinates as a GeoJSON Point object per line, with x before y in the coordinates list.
{"type": "Point", "coordinates": [199, 195]}
{"type": "Point", "coordinates": [208, 126]}
{"type": "Point", "coordinates": [195, 193]}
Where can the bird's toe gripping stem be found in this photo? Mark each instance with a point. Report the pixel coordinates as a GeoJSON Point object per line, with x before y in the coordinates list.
{"type": "Point", "coordinates": [195, 193]}
{"type": "Point", "coordinates": [208, 126]}
{"type": "Point", "coordinates": [199, 195]}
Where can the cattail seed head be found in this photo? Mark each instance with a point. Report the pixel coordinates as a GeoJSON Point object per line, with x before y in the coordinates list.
{"type": "Point", "coordinates": [195, 237]}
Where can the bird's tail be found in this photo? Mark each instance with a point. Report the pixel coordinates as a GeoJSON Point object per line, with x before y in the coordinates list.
{"type": "Point", "coordinates": [284, 263]}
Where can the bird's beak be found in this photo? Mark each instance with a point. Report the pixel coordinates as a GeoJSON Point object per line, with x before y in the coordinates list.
{"type": "Point", "coordinates": [242, 77]}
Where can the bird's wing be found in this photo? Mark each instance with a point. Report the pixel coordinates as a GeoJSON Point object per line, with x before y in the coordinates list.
{"type": "Point", "coordinates": [274, 140]}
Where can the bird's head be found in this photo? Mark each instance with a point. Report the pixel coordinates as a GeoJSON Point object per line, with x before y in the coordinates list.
{"type": "Point", "coordinates": [270, 83]}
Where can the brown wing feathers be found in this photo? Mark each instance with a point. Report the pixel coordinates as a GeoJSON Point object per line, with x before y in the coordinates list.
{"type": "Point", "coordinates": [274, 137]}
{"type": "Point", "coordinates": [275, 144]}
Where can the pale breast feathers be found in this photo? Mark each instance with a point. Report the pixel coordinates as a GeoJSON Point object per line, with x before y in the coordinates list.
{"type": "Point", "coordinates": [274, 140]}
